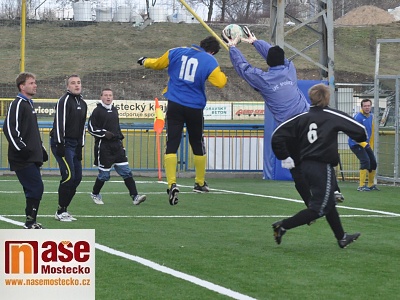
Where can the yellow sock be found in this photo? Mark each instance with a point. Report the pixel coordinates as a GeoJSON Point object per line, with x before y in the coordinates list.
{"type": "Point", "coordinates": [371, 177]}
{"type": "Point", "coordinates": [200, 168]}
{"type": "Point", "coordinates": [170, 162]}
{"type": "Point", "coordinates": [363, 177]}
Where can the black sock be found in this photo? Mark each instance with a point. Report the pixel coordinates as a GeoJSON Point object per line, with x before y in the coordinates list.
{"type": "Point", "coordinates": [97, 186]}
{"type": "Point", "coordinates": [304, 216]}
{"type": "Point", "coordinates": [61, 209]}
{"type": "Point", "coordinates": [131, 185]}
{"type": "Point", "coordinates": [334, 222]}
{"type": "Point", "coordinates": [31, 210]}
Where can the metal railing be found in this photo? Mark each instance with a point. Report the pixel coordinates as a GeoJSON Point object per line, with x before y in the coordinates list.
{"type": "Point", "coordinates": [230, 148]}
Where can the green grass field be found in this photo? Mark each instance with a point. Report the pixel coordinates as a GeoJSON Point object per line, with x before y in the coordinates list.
{"type": "Point", "coordinates": [221, 242]}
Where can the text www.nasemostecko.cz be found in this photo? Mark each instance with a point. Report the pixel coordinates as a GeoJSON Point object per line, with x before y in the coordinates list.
{"type": "Point", "coordinates": [47, 281]}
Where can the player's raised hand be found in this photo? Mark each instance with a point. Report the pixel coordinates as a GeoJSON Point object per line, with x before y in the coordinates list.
{"type": "Point", "coordinates": [228, 39]}
{"type": "Point", "coordinates": [250, 37]}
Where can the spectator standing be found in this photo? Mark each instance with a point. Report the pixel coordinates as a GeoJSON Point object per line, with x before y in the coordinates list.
{"type": "Point", "coordinates": [67, 138]}
{"type": "Point", "coordinates": [109, 151]}
{"type": "Point", "coordinates": [26, 152]}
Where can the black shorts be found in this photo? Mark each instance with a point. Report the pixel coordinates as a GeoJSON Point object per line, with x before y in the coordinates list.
{"type": "Point", "coordinates": [107, 153]}
{"type": "Point", "coordinates": [322, 181]}
{"type": "Point", "coordinates": [177, 116]}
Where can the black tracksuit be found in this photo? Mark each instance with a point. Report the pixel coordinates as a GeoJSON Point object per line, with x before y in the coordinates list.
{"type": "Point", "coordinates": [106, 151]}
{"type": "Point", "coordinates": [69, 132]}
{"type": "Point", "coordinates": [21, 130]}
{"type": "Point", "coordinates": [69, 119]}
{"type": "Point", "coordinates": [25, 152]}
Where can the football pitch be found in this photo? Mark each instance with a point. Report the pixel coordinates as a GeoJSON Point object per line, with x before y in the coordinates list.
{"type": "Point", "coordinates": [219, 245]}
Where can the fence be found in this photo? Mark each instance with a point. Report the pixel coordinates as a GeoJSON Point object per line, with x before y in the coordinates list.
{"type": "Point", "coordinates": [349, 98]}
{"type": "Point", "coordinates": [230, 148]}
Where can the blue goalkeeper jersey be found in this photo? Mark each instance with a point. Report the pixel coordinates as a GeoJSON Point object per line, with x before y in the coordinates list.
{"type": "Point", "coordinates": [277, 86]}
{"type": "Point", "coordinates": [188, 68]}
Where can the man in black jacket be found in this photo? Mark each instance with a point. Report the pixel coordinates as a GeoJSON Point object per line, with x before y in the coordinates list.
{"type": "Point", "coordinates": [315, 133]}
{"type": "Point", "coordinates": [67, 138]}
{"type": "Point", "coordinates": [108, 149]}
{"type": "Point", "coordinates": [26, 153]}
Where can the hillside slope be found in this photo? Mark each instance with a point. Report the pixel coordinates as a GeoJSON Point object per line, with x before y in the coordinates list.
{"type": "Point", "coordinates": [105, 54]}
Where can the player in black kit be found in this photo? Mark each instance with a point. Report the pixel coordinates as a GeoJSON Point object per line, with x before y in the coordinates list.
{"type": "Point", "coordinates": [67, 139]}
{"type": "Point", "coordinates": [108, 149]}
{"type": "Point", "coordinates": [316, 135]}
{"type": "Point", "coordinates": [26, 153]}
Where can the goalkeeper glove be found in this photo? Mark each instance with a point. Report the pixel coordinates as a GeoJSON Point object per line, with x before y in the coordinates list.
{"type": "Point", "coordinates": [141, 60]}
{"type": "Point", "coordinates": [251, 38]}
{"type": "Point", "coordinates": [288, 163]}
{"type": "Point", "coordinates": [227, 37]}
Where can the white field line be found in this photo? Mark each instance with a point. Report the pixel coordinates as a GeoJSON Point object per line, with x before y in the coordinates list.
{"type": "Point", "coordinates": [190, 278]}
{"type": "Point", "coordinates": [223, 191]}
{"type": "Point", "coordinates": [148, 263]}
{"type": "Point", "coordinates": [191, 217]}
{"type": "Point", "coordinates": [203, 283]}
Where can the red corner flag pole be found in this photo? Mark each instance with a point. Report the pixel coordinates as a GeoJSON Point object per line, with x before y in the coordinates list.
{"type": "Point", "coordinates": [158, 128]}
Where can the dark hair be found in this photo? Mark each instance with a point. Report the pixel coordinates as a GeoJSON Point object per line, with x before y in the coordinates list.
{"type": "Point", "coordinates": [22, 77]}
{"type": "Point", "coordinates": [275, 56]}
{"type": "Point", "coordinates": [106, 89]}
{"type": "Point", "coordinates": [365, 100]}
{"type": "Point", "coordinates": [70, 76]}
{"type": "Point", "coordinates": [210, 44]}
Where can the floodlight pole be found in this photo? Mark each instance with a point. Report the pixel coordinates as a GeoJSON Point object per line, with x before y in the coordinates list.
{"type": "Point", "coordinates": [324, 30]}
{"type": "Point", "coordinates": [23, 33]}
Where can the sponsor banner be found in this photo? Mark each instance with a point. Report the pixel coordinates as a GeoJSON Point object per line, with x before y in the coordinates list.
{"type": "Point", "coordinates": [145, 109]}
{"type": "Point", "coordinates": [45, 109]}
{"type": "Point", "coordinates": [248, 110]}
{"type": "Point", "coordinates": [38, 263]}
{"type": "Point", "coordinates": [127, 108]}
{"type": "Point", "coordinates": [218, 111]}
{"type": "Point", "coordinates": [132, 108]}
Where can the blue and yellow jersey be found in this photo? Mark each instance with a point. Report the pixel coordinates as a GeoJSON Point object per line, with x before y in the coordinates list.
{"type": "Point", "coordinates": [188, 69]}
{"type": "Point", "coordinates": [368, 122]}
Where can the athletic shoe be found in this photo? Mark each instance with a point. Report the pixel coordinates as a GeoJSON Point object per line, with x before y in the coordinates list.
{"type": "Point", "coordinates": [33, 226]}
{"type": "Point", "coordinates": [374, 188]}
{"type": "Point", "coordinates": [97, 198]}
{"type": "Point", "coordinates": [63, 217]}
{"type": "Point", "coordinates": [173, 194]}
{"type": "Point", "coordinates": [279, 231]}
{"type": "Point", "coordinates": [201, 189]}
{"type": "Point", "coordinates": [138, 199]}
{"type": "Point", "coordinates": [348, 239]}
{"type": "Point", "coordinates": [363, 189]}
{"type": "Point", "coordinates": [338, 197]}
{"type": "Point", "coordinates": [71, 217]}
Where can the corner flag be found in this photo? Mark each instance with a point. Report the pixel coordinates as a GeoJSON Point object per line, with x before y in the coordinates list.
{"type": "Point", "coordinates": [158, 128]}
{"type": "Point", "coordinates": [159, 118]}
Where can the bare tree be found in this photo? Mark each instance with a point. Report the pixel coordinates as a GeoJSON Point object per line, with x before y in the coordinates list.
{"type": "Point", "coordinates": [208, 3]}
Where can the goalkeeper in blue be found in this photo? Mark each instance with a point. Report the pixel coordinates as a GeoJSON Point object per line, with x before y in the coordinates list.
{"type": "Point", "coordinates": [315, 133]}
{"type": "Point", "coordinates": [189, 68]}
{"type": "Point", "coordinates": [279, 89]}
